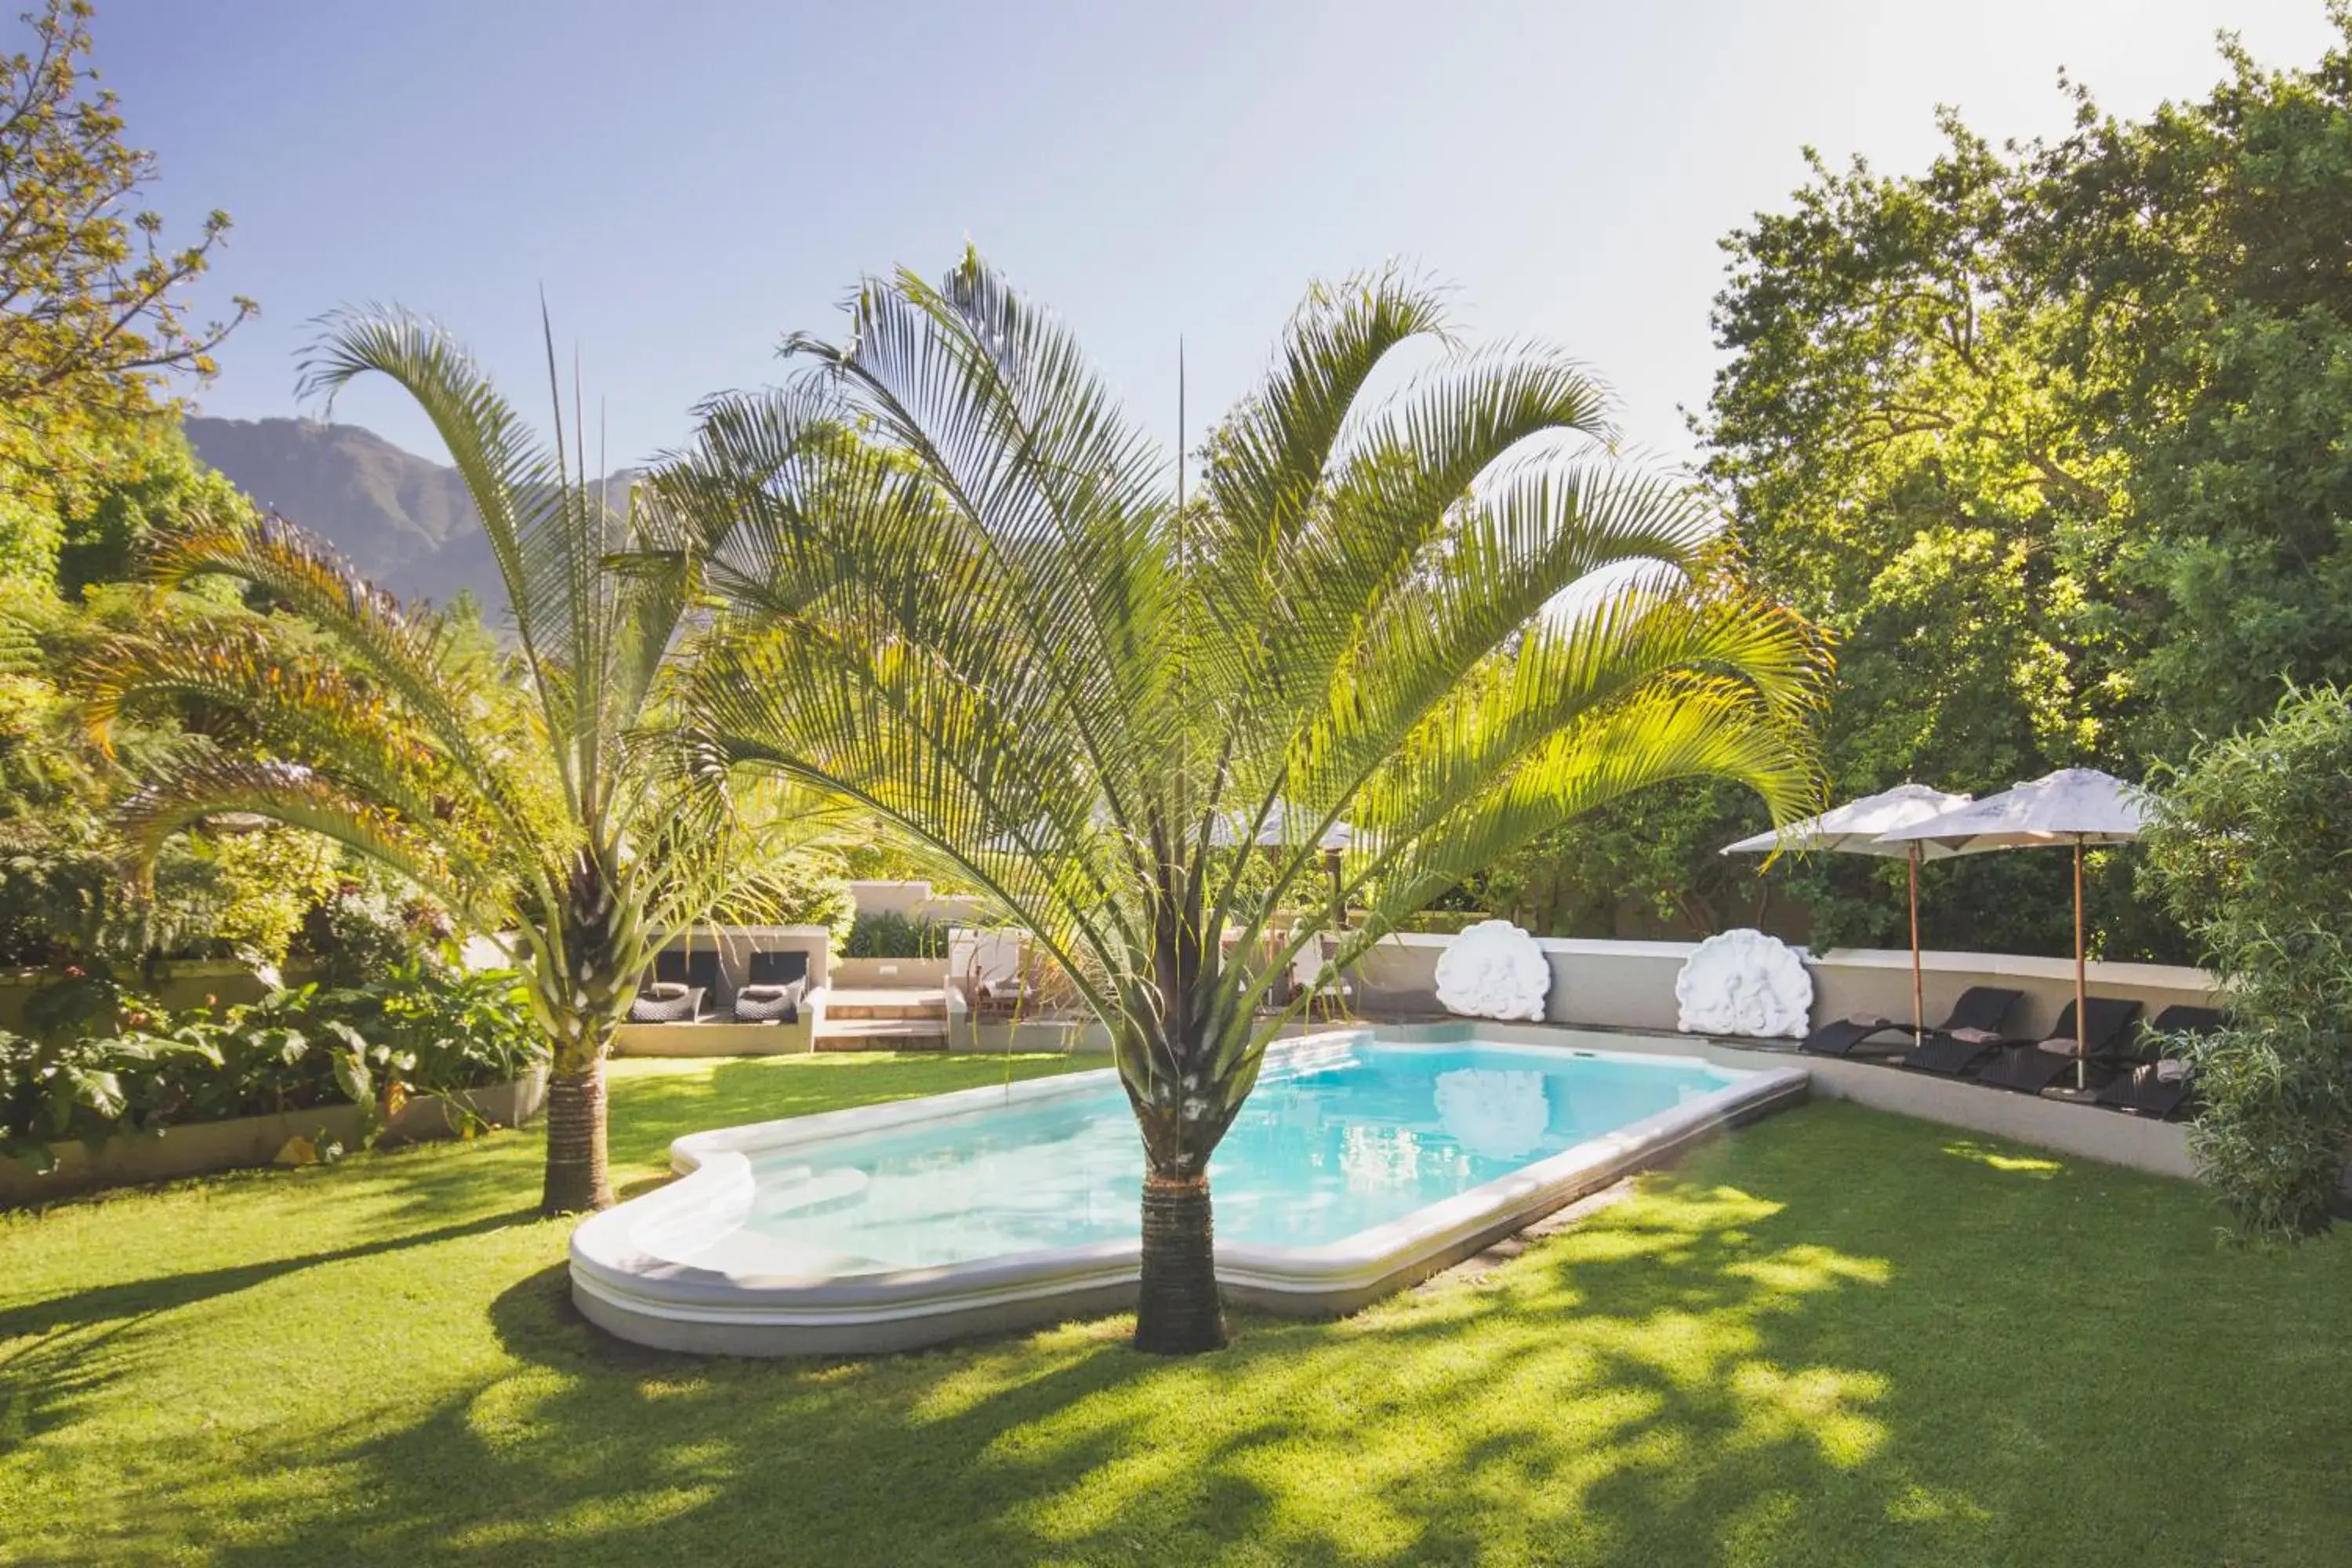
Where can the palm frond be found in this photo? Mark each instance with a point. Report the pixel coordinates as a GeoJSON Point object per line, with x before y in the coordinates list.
{"type": "Point", "coordinates": [516, 485]}
{"type": "Point", "coordinates": [407, 654]}
{"type": "Point", "coordinates": [297, 797]}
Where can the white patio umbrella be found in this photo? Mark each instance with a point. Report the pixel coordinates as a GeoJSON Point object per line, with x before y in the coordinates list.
{"type": "Point", "coordinates": [1858, 827]}
{"type": "Point", "coordinates": [2073, 805]}
{"type": "Point", "coordinates": [1273, 834]}
{"type": "Point", "coordinates": [1226, 832]}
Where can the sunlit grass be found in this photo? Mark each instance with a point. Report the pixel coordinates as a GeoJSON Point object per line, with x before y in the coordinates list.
{"type": "Point", "coordinates": [1834, 1337]}
{"type": "Point", "coordinates": [1996, 1157]}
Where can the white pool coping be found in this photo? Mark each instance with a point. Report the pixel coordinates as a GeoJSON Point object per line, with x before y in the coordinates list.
{"type": "Point", "coordinates": [624, 1275]}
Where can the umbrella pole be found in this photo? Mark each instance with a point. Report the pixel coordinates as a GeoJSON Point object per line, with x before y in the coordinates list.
{"type": "Point", "coordinates": [1918, 1010]}
{"type": "Point", "coordinates": [2082, 991]}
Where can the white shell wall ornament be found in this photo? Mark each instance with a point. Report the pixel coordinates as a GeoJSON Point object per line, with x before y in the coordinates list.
{"type": "Point", "coordinates": [1494, 969]}
{"type": "Point", "coordinates": [1744, 983]}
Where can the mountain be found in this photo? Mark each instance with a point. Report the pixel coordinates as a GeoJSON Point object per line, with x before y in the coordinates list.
{"type": "Point", "coordinates": [403, 522]}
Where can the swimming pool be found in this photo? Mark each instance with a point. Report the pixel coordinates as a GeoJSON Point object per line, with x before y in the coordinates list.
{"type": "Point", "coordinates": [1357, 1166]}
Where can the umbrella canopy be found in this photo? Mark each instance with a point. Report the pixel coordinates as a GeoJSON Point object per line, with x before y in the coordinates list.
{"type": "Point", "coordinates": [1223, 832]}
{"type": "Point", "coordinates": [1859, 827]}
{"type": "Point", "coordinates": [2073, 805]}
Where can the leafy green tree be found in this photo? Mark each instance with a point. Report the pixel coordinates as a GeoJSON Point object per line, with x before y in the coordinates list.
{"type": "Point", "coordinates": [2197, 259]}
{"type": "Point", "coordinates": [2050, 436]}
{"type": "Point", "coordinates": [1905, 471]}
{"type": "Point", "coordinates": [530, 799]}
{"type": "Point", "coordinates": [150, 482]}
{"type": "Point", "coordinates": [2250, 846]}
{"type": "Point", "coordinates": [963, 593]}
{"type": "Point", "coordinates": [93, 301]}
{"type": "Point", "coordinates": [95, 298]}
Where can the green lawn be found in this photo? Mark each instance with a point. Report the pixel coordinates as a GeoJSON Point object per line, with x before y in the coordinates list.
{"type": "Point", "coordinates": [1835, 1337]}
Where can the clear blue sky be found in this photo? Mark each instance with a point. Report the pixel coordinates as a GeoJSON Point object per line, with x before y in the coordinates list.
{"type": "Point", "coordinates": [688, 180]}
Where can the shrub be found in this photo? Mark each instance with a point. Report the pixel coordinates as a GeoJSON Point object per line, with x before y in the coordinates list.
{"type": "Point", "coordinates": [52, 1091]}
{"type": "Point", "coordinates": [454, 1030]}
{"type": "Point", "coordinates": [418, 1029]}
{"type": "Point", "coordinates": [888, 934]}
{"type": "Point", "coordinates": [1447, 923]}
{"type": "Point", "coordinates": [367, 928]}
{"type": "Point", "coordinates": [2249, 849]}
{"type": "Point", "coordinates": [156, 1069]}
{"type": "Point", "coordinates": [806, 888]}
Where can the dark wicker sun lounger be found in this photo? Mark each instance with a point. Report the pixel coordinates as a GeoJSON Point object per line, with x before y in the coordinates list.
{"type": "Point", "coordinates": [2147, 1091]}
{"type": "Point", "coordinates": [2030, 1068]}
{"type": "Point", "coordinates": [697, 972]}
{"type": "Point", "coordinates": [773, 992]}
{"type": "Point", "coordinates": [1980, 1007]}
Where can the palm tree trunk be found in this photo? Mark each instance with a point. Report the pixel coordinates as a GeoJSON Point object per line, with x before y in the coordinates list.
{"type": "Point", "coordinates": [1178, 1311]}
{"type": "Point", "coordinates": [582, 996]}
{"type": "Point", "coordinates": [577, 1178]}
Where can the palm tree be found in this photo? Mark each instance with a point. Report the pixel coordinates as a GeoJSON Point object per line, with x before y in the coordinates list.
{"type": "Point", "coordinates": [524, 794]}
{"type": "Point", "coordinates": [961, 591]}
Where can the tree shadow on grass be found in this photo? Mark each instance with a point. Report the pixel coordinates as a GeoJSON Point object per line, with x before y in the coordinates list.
{"type": "Point", "coordinates": [135, 1297]}
{"type": "Point", "coordinates": [1647, 1387]}
{"type": "Point", "coordinates": [1804, 1346]}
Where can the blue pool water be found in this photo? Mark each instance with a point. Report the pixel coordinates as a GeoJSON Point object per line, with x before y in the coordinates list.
{"type": "Point", "coordinates": [1325, 1147]}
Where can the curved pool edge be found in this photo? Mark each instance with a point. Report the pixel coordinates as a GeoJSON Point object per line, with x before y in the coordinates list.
{"type": "Point", "coordinates": [652, 1301]}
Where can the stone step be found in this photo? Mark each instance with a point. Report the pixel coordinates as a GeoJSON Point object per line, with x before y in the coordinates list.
{"type": "Point", "coordinates": [881, 1035]}
{"type": "Point", "coordinates": [919, 1004]}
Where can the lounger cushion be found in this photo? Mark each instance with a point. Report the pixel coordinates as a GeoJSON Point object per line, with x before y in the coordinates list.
{"type": "Point", "coordinates": [769, 1004]}
{"type": "Point", "coordinates": [665, 990]}
{"type": "Point", "coordinates": [2184, 1019]}
{"type": "Point", "coordinates": [2109, 1033]}
{"type": "Point", "coordinates": [682, 1009]}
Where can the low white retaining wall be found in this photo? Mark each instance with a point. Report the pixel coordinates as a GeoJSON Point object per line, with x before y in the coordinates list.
{"type": "Point", "coordinates": [2092, 1133]}
{"type": "Point", "coordinates": [914, 901]}
{"type": "Point", "coordinates": [199, 1148]}
{"type": "Point", "coordinates": [890, 973]}
{"type": "Point", "coordinates": [1630, 985]}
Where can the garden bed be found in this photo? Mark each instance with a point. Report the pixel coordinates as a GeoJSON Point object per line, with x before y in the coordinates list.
{"type": "Point", "coordinates": [200, 1148]}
